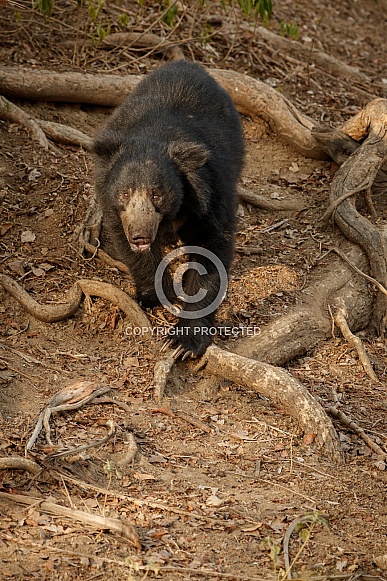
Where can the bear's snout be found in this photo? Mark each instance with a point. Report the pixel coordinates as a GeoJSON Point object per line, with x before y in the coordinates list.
{"type": "Point", "coordinates": [140, 221]}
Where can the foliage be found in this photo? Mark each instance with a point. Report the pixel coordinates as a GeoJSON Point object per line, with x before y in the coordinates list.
{"type": "Point", "coordinates": [45, 7]}
{"type": "Point", "coordinates": [289, 29]}
{"type": "Point", "coordinates": [170, 14]}
{"type": "Point", "coordinates": [263, 8]}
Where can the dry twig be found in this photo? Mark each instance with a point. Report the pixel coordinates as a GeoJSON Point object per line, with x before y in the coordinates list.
{"type": "Point", "coordinates": [346, 421]}
{"type": "Point", "coordinates": [123, 529]}
{"type": "Point", "coordinates": [340, 318]}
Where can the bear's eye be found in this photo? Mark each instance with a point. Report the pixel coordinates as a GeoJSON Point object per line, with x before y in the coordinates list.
{"type": "Point", "coordinates": [124, 196]}
{"type": "Point", "coordinates": [156, 196]}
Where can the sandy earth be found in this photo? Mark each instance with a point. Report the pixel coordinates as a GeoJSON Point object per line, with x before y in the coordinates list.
{"type": "Point", "coordinates": [211, 495]}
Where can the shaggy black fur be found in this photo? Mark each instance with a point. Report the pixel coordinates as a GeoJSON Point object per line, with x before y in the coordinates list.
{"type": "Point", "coordinates": [167, 167]}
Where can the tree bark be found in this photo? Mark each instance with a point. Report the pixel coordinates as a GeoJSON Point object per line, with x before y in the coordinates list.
{"type": "Point", "coordinates": [356, 174]}
{"type": "Point", "coordinates": [309, 323]}
{"type": "Point", "coordinates": [281, 388]}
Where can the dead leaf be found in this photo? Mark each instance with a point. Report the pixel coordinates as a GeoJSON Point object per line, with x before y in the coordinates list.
{"type": "Point", "coordinates": [37, 271]}
{"type": "Point", "coordinates": [164, 410]}
{"type": "Point", "coordinates": [17, 266]}
{"type": "Point", "coordinates": [309, 439]}
{"type": "Point", "coordinates": [46, 266]}
{"type": "Point", "coordinates": [4, 228]}
{"type": "Point", "coordinates": [214, 500]}
{"type": "Point", "coordinates": [34, 175]}
{"type": "Point", "coordinates": [131, 362]}
{"type": "Point", "coordinates": [27, 236]}
{"type": "Point", "coordinates": [252, 528]}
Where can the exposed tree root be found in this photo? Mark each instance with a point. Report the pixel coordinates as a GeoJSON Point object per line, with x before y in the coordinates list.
{"type": "Point", "coordinates": [356, 174]}
{"type": "Point", "coordinates": [18, 463]}
{"type": "Point", "coordinates": [250, 96]}
{"type": "Point", "coordinates": [64, 134]}
{"type": "Point", "coordinates": [45, 313]}
{"type": "Point", "coordinates": [54, 313]}
{"type": "Point", "coordinates": [267, 204]}
{"type": "Point", "coordinates": [282, 389]}
{"type": "Point", "coordinates": [307, 324]}
{"type": "Point", "coordinates": [340, 318]}
{"type": "Point", "coordinates": [71, 397]}
{"type": "Point", "coordinates": [10, 112]}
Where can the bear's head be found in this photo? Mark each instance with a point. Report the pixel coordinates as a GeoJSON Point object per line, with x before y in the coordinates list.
{"type": "Point", "coordinates": [147, 183]}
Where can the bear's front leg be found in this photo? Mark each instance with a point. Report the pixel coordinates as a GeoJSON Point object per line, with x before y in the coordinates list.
{"type": "Point", "coordinates": [203, 288]}
{"type": "Point", "coordinates": [191, 337]}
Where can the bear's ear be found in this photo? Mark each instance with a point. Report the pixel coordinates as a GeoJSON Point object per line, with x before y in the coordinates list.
{"type": "Point", "coordinates": [189, 157]}
{"type": "Point", "coordinates": [107, 145]}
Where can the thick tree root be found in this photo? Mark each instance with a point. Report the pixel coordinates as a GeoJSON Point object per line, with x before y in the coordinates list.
{"type": "Point", "coordinates": [309, 323]}
{"type": "Point", "coordinates": [358, 174]}
{"type": "Point", "coordinates": [281, 388]}
{"type": "Point", "coordinates": [250, 96]}
{"type": "Point", "coordinates": [54, 313]}
{"type": "Point", "coordinates": [11, 112]}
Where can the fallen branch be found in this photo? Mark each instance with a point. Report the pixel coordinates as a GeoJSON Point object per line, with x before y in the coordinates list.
{"type": "Point", "coordinates": [282, 389]}
{"type": "Point", "coordinates": [123, 529]}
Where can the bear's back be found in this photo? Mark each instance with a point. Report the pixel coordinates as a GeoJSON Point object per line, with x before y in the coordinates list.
{"type": "Point", "coordinates": [181, 89]}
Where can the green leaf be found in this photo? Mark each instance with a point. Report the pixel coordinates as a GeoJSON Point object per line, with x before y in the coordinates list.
{"type": "Point", "coordinates": [170, 16]}
{"type": "Point", "coordinates": [45, 7]}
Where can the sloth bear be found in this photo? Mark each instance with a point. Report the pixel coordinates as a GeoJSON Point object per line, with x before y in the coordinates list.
{"type": "Point", "coordinates": [167, 166]}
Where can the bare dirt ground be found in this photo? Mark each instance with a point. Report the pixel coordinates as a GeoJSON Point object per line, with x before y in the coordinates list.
{"type": "Point", "coordinates": [211, 499]}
